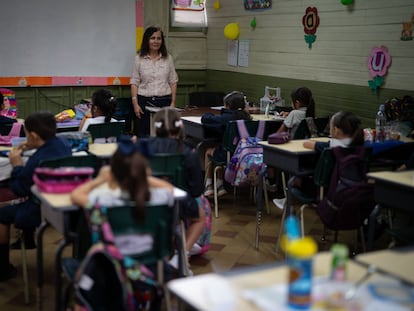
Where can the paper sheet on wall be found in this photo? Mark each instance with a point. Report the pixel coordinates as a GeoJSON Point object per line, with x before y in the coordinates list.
{"type": "Point", "coordinates": [232, 52]}
{"type": "Point", "coordinates": [243, 57]}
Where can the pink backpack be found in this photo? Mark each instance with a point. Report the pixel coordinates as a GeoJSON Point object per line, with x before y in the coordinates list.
{"type": "Point", "coordinates": [247, 161]}
{"type": "Point", "coordinates": [6, 140]}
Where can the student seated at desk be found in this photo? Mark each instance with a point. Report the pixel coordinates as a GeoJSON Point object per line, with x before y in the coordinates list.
{"type": "Point", "coordinates": [235, 108]}
{"type": "Point", "coordinates": [102, 110]}
{"type": "Point", "coordinates": [345, 131]}
{"type": "Point", "coordinates": [127, 177]}
{"type": "Point", "coordinates": [196, 208]}
{"type": "Point", "coordinates": [303, 106]}
{"type": "Point", "coordinates": [40, 129]}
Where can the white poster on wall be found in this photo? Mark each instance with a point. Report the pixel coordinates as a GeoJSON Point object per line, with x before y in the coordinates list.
{"type": "Point", "coordinates": [243, 54]}
{"type": "Point", "coordinates": [232, 52]}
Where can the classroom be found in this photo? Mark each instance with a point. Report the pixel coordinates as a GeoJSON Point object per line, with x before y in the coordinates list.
{"type": "Point", "coordinates": [353, 55]}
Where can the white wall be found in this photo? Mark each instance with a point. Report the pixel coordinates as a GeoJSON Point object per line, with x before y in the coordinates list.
{"type": "Point", "coordinates": [345, 37]}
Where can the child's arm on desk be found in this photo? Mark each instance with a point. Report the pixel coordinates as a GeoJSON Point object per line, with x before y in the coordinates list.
{"type": "Point", "coordinates": [309, 144]}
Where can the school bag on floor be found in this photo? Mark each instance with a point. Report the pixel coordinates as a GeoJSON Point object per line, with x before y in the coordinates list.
{"type": "Point", "coordinates": [350, 198]}
{"type": "Point", "coordinates": [108, 280]}
{"type": "Point", "coordinates": [247, 161]}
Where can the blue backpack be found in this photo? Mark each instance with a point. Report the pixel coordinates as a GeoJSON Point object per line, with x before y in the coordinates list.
{"type": "Point", "coordinates": [247, 161]}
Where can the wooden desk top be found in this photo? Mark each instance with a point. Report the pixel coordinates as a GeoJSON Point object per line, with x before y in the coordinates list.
{"type": "Point", "coordinates": [103, 150]}
{"type": "Point", "coordinates": [405, 178]}
{"type": "Point", "coordinates": [293, 146]}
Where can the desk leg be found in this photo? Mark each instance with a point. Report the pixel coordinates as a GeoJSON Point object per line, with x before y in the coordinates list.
{"type": "Point", "coordinates": [39, 253]}
{"type": "Point", "coordinates": [58, 274]}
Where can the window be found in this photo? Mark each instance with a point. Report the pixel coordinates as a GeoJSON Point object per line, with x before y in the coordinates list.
{"type": "Point", "coordinates": [188, 13]}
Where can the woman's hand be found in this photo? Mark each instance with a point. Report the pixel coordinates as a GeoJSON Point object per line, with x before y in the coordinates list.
{"type": "Point", "coordinates": [137, 109]}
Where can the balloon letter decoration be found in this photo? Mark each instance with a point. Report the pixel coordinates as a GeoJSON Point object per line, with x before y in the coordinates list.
{"type": "Point", "coordinates": [231, 31]}
{"type": "Point", "coordinates": [378, 61]}
{"type": "Point", "coordinates": [310, 22]}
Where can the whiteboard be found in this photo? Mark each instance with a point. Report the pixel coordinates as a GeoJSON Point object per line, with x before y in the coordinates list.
{"type": "Point", "coordinates": [67, 38]}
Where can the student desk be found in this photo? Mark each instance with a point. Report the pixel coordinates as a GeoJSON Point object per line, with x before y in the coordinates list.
{"type": "Point", "coordinates": [227, 291]}
{"type": "Point", "coordinates": [59, 212]}
{"type": "Point", "coordinates": [394, 189]}
{"type": "Point", "coordinates": [292, 158]}
{"type": "Point", "coordinates": [68, 126]}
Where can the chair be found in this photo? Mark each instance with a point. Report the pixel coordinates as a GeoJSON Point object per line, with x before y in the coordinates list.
{"type": "Point", "coordinates": [124, 111]}
{"type": "Point", "coordinates": [106, 131]}
{"type": "Point", "coordinates": [205, 99]}
{"type": "Point", "coordinates": [303, 132]}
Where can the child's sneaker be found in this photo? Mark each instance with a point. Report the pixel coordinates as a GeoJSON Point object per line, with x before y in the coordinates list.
{"type": "Point", "coordinates": [221, 191]}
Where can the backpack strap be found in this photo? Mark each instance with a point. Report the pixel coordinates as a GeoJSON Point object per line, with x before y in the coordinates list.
{"type": "Point", "coordinates": [15, 130]}
{"type": "Point", "coordinates": [260, 129]}
{"type": "Point", "coordinates": [241, 127]}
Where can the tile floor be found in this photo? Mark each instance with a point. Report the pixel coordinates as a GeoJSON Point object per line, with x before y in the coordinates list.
{"type": "Point", "coordinates": [232, 246]}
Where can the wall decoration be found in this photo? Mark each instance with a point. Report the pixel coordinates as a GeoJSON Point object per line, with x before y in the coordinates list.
{"type": "Point", "coordinates": [378, 62]}
{"type": "Point", "coordinates": [217, 5]}
{"type": "Point", "coordinates": [347, 2]}
{"type": "Point", "coordinates": [310, 22]}
{"type": "Point", "coordinates": [253, 23]}
{"type": "Point", "coordinates": [231, 31]}
{"type": "Point", "coordinates": [257, 4]}
{"type": "Point", "coordinates": [407, 31]}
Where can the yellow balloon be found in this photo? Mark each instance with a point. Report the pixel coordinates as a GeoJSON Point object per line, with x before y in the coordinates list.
{"type": "Point", "coordinates": [231, 31]}
{"type": "Point", "coordinates": [216, 4]}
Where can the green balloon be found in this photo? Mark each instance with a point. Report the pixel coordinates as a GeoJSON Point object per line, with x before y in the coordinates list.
{"type": "Point", "coordinates": [253, 23]}
{"type": "Point", "coordinates": [347, 2]}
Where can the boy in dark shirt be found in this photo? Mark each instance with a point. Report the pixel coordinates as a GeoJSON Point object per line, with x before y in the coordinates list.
{"type": "Point", "coordinates": [40, 129]}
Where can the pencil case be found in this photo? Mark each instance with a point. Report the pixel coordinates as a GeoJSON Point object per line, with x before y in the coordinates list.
{"type": "Point", "coordinates": [62, 179]}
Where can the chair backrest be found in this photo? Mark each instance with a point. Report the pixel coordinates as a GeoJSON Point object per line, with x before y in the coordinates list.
{"type": "Point", "coordinates": [155, 232]}
{"type": "Point", "coordinates": [323, 170]}
{"type": "Point", "coordinates": [231, 133]}
{"type": "Point", "coordinates": [124, 111]}
{"type": "Point", "coordinates": [169, 166]}
{"type": "Point", "coordinates": [89, 160]}
{"type": "Point", "coordinates": [6, 127]}
{"type": "Point", "coordinates": [302, 131]}
{"type": "Point", "coordinates": [206, 99]}
{"type": "Point", "coordinates": [106, 130]}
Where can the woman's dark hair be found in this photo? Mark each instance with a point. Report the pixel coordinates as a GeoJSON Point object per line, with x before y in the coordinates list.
{"type": "Point", "coordinates": [235, 101]}
{"type": "Point", "coordinates": [304, 96]}
{"type": "Point", "coordinates": [42, 123]}
{"type": "Point", "coordinates": [106, 102]}
{"type": "Point", "coordinates": [145, 49]}
{"type": "Point", "coordinates": [130, 172]}
{"type": "Point", "coordinates": [350, 125]}
{"type": "Point", "coordinates": [167, 123]}
{"type": "Point", "coordinates": [1, 101]}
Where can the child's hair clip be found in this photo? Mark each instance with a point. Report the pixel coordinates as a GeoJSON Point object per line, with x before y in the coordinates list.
{"type": "Point", "coordinates": [158, 124]}
{"type": "Point", "coordinates": [178, 123]}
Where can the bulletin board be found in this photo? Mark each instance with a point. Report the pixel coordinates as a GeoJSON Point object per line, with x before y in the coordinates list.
{"type": "Point", "coordinates": [61, 42]}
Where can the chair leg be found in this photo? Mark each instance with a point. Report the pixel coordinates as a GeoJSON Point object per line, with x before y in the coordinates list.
{"type": "Point", "coordinates": [258, 222]}
{"type": "Point", "coordinates": [266, 198]}
{"type": "Point", "coordinates": [282, 227]}
{"type": "Point", "coordinates": [215, 191]}
{"type": "Point", "coordinates": [302, 221]}
{"type": "Point", "coordinates": [24, 268]}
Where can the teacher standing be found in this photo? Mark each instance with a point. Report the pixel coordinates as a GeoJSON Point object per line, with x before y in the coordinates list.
{"type": "Point", "coordinates": [154, 79]}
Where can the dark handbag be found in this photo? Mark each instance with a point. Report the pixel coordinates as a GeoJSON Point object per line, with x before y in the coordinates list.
{"type": "Point", "coordinates": [279, 138]}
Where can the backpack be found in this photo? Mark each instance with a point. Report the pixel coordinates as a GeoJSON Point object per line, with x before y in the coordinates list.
{"type": "Point", "coordinates": [350, 198]}
{"type": "Point", "coordinates": [108, 280]}
{"type": "Point", "coordinates": [247, 161]}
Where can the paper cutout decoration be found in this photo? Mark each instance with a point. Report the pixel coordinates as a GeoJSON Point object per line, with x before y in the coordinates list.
{"type": "Point", "coordinates": [378, 62]}
{"type": "Point", "coordinates": [407, 30]}
{"type": "Point", "coordinates": [310, 22]}
{"type": "Point", "coordinates": [231, 31]}
{"type": "Point", "coordinates": [253, 23]}
{"type": "Point", "coordinates": [257, 4]}
{"type": "Point", "coordinates": [217, 5]}
{"type": "Point", "coordinates": [347, 2]}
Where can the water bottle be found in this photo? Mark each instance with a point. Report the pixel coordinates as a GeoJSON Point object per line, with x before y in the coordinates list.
{"type": "Point", "coordinates": [380, 122]}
